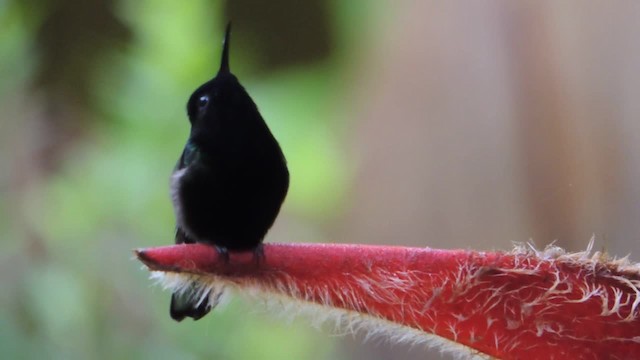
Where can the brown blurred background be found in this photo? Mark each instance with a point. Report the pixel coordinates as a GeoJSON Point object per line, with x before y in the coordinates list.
{"type": "Point", "coordinates": [441, 124]}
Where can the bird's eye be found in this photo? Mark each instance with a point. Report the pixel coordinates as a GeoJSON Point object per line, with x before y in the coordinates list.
{"type": "Point", "coordinates": [203, 101]}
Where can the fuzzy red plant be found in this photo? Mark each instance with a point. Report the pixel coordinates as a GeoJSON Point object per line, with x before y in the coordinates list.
{"type": "Point", "coordinates": [523, 304]}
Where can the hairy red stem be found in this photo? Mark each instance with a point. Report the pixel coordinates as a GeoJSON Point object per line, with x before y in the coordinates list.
{"type": "Point", "coordinates": [508, 305]}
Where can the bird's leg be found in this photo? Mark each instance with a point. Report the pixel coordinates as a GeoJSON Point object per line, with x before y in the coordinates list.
{"type": "Point", "coordinates": [182, 238]}
{"type": "Point", "coordinates": [258, 253]}
{"type": "Point", "coordinates": [223, 252]}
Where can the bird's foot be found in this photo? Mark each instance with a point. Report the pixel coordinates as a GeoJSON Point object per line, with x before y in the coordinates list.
{"type": "Point", "coordinates": [223, 252]}
{"type": "Point", "coordinates": [258, 254]}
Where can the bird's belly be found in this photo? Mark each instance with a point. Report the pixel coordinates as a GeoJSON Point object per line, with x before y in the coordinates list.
{"type": "Point", "coordinates": [236, 213]}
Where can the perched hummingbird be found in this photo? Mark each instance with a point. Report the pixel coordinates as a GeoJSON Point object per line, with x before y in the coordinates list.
{"type": "Point", "coordinates": [232, 177]}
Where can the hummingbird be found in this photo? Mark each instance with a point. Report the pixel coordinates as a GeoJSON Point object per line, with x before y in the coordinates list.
{"type": "Point", "coordinates": [230, 181]}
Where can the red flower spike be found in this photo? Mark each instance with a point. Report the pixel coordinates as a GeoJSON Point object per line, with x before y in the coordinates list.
{"type": "Point", "coordinates": [524, 304]}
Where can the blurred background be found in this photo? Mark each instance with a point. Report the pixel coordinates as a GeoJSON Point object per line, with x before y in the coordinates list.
{"type": "Point", "coordinates": [451, 125]}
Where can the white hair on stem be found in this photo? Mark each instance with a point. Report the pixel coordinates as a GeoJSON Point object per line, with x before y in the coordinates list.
{"type": "Point", "coordinates": [342, 321]}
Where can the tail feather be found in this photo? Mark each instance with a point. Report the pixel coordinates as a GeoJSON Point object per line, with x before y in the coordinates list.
{"type": "Point", "coordinates": [188, 304]}
{"type": "Point", "coordinates": [192, 302]}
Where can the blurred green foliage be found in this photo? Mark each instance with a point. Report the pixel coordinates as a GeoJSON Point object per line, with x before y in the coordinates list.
{"type": "Point", "coordinates": [70, 289]}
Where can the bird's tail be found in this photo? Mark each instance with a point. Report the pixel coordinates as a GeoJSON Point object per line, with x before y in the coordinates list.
{"type": "Point", "coordinates": [193, 302]}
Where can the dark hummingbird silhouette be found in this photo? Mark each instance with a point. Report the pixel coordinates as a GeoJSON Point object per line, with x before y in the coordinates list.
{"type": "Point", "coordinates": [229, 183]}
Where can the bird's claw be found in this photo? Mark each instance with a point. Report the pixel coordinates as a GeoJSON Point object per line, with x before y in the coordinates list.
{"type": "Point", "coordinates": [223, 252]}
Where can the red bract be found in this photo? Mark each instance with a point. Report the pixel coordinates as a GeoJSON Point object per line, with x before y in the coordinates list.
{"type": "Point", "coordinates": [523, 304]}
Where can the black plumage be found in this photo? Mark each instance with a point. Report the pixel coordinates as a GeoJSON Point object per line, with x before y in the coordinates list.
{"type": "Point", "coordinates": [231, 179]}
